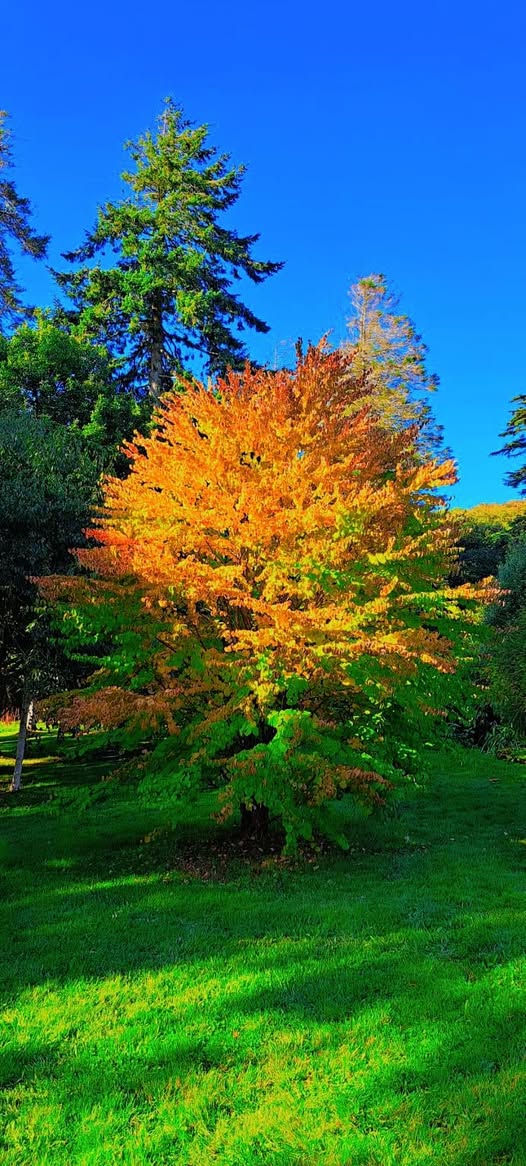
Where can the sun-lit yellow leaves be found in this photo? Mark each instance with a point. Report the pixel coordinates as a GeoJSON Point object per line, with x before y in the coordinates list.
{"type": "Point", "coordinates": [297, 524]}
{"type": "Point", "coordinates": [269, 578]}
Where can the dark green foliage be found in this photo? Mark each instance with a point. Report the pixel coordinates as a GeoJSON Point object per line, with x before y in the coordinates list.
{"type": "Point", "coordinates": [486, 534]}
{"type": "Point", "coordinates": [483, 549]}
{"type": "Point", "coordinates": [515, 446]}
{"type": "Point", "coordinates": [507, 655]}
{"type": "Point", "coordinates": [156, 275]}
{"type": "Point", "coordinates": [48, 487]}
{"type": "Point", "coordinates": [15, 227]}
{"type": "Point", "coordinates": [55, 374]}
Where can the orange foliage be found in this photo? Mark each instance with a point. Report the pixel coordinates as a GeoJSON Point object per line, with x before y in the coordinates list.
{"type": "Point", "coordinates": [289, 519]}
{"type": "Point", "coordinates": [285, 550]}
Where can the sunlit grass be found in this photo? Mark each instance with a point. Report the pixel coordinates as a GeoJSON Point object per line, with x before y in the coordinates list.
{"type": "Point", "coordinates": [367, 1008]}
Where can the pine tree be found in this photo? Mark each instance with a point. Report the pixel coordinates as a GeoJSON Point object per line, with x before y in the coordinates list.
{"type": "Point", "coordinates": [15, 226]}
{"type": "Point", "coordinates": [516, 445]}
{"type": "Point", "coordinates": [168, 296]}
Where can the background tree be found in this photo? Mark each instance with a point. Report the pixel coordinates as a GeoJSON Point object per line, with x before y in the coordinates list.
{"type": "Point", "coordinates": [507, 656]}
{"type": "Point", "coordinates": [52, 373]}
{"type": "Point", "coordinates": [486, 533]}
{"type": "Point", "coordinates": [48, 486]}
{"type": "Point", "coordinates": [515, 447]}
{"type": "Point", "coordinates": [389, 360]}
{"type": "Point", "coordinates": [270, 588]}
{"type": "Point", "coordinates": [169, 294]}
{"type": "Point", "coordinates": [15, 227]}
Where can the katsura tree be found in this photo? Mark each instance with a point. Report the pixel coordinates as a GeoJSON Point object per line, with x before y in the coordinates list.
{"type": "Point", "coordinates": [389, 359]}
{"type": "Point", "coordinates": [15, 228]}
{"type": "Point", "coordinates": [54, 373]}
{"type": "Point", "coordinates": [266, 597]}
{"type": "Point", "coordinates": [155, 279]}
{"type": "Point", "coordinates": [48, 489]}
{"type": "Point", "coordinates": [515, 446]}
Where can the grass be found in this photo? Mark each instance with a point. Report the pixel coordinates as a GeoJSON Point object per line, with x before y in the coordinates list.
{"type": "Point", "coordinates": [164, 1005]}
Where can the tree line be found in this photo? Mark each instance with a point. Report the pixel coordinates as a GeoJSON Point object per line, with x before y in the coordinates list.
{"type": "Point", "coordinates": [265, 581]}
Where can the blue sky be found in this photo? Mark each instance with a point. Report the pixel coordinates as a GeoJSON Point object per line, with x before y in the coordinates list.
{"type": "Point", "coordinates": [387, 137]}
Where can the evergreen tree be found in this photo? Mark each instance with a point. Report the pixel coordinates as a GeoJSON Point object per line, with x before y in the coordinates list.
{"type": "Point", "coordinates": [168, 296]}
{"type": "Point", "coordinates": [15, 226]}
{"type": "Point", "coordinates": [515, 431]}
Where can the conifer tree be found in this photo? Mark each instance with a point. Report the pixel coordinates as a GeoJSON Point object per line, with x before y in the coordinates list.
{"type": "Point", "coordinates": [15, 227]}
{"type": "Point", "coordinates": [167, 297]}
{"type": "Point", "coordinates": [515, 431]}
{"type": "Point", "coordinates": [388, 358]}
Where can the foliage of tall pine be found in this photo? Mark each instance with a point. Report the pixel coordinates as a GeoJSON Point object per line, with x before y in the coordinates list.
{"type": "Point", "coordinates": [15, 227]}
{"type": "Point", "coordinates": [167, 295]}
{"type": "Point", "coordinates": [515, 446]}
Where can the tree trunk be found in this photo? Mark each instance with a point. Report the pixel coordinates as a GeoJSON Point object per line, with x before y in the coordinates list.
{"type": "Point", "coordinates": [21, 743]}
{"type": "Point", "coordinates": [31, 717]}
{"type": "Point", "coordinates": [155, 385]}
{"type": "Point", "coordinates": [255, 819]}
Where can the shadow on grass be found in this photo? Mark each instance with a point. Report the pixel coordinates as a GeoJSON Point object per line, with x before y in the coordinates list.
{"type": "Point", "coordinates": [395, 976]}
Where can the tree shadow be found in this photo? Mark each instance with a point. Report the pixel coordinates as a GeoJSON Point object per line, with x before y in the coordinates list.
{"type": "Point", "coordinates": [375, 944]}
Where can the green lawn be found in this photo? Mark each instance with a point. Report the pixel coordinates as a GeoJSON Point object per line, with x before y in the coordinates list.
{"type": "Point", "coordinates": [164, 1005]}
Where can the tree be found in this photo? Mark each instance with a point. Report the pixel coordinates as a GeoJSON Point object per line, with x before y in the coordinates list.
{"type": "Point", "coordinates": [516, 445]}
{"type": "Point", "coordinates": [266, 596]}
{"type": "Point", "coordinates": [53, 373]}
{"type": "Point", "coordinates": [507, 658]}
{"type": "Point", "coordinates": [15, 226]}
{"type": "Point", "coordinates": [486, 533]}
{"type": "Point", "coordinates": [47, 491]}
{"type": "Point", "coordinates": [389, 360]}
{"type": "Point", "coordinates": [169, 294]}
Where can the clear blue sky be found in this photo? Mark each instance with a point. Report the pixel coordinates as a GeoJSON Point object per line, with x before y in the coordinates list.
{"type": "Point", "coordinates": [388, 137]}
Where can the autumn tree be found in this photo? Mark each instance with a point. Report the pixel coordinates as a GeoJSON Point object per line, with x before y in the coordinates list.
{"type": "Point", "coordinates": [15, 228]}
{"type": "Point", "coordinates": [266, 596]}
{"type": "Point", "coordinates": [389, 360]}
{"type": "Point", "coordinates": [157, 273]}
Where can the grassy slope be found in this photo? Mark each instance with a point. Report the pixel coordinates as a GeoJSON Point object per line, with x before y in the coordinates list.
{"type": "Point", "coordinates": [369, 1009]}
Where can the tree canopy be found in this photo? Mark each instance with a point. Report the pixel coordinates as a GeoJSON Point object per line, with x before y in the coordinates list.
{"type": "Point", "coordinates": [52, 373]}
{"type": "Point", "coordinates": [48, 488]}
{"type": "Point", "coordinates": [269, 579]}
{"type": "Point", "coordinates": [486, 533]}
{"type": "Point", "coordinates": [15, 227]}
{"type": "Point", "coordinates": [157, 273]}
{"type": "Point", "coordinates": [389, 360]}
{"type": "Point", "coordinates": [515, 446]}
